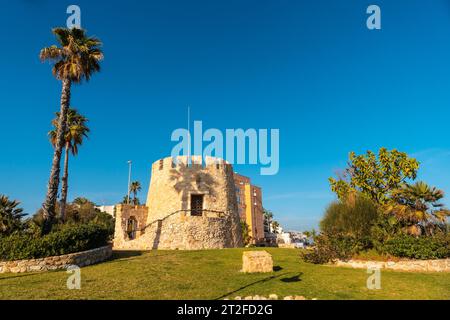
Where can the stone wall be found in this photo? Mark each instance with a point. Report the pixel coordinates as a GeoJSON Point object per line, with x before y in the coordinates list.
{"type": "Point", "coordinates": [438, 265]}
{"type": "Point", "coordinates": [79, 259]}
{"type": "Point", "coordinates": [181, 231]}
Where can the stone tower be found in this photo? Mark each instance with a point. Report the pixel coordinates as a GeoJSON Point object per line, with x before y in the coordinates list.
{"type": "Point", "coordinates": [189, 206]}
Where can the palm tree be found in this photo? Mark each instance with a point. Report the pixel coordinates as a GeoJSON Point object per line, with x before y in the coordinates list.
{"type": "Point", "coordinates": [135, 187]}
{"type": "Point", "coordinates": [268, 214]}
{"type": "Point", "coordinates": [10, 215]}
{"type": "Point", "coordinates": [76, 58]}
{"type": "Point", "coordinates": [275, 226]}
{"type": "Point", "coordinates": [76, 130]}
{"type": "Point", "coordinates": [417, 206]}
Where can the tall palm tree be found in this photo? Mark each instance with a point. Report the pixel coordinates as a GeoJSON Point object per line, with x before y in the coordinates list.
{"type": "Point", "coordinates": [135, 187]}
{"type": "Point", "coordinates": [76, 130]}
{"type": "Point", "coordinates": [10, 215]}
{"type": "Point", "coordinates": [77, 57]}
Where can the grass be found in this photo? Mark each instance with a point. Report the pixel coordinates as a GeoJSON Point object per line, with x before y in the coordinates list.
{"type": "Point", "coordinates": [214, 274]}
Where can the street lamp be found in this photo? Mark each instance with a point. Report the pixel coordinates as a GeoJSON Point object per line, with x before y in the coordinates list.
{"type": "Point", "coordinates": [129, 181]}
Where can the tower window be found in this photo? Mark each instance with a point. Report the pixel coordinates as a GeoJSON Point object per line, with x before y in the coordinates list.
{"type": "Point", "coordinates": [196, 204]}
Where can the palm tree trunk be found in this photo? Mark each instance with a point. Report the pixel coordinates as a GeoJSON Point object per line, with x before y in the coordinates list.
{"type": "Point", "coordinates": [53, 183]}
{"type": "Point", "coordinates": [64, 183]}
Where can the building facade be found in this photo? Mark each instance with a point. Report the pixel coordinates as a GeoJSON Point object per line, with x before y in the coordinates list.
{"type": "Point", "coordinates": [189, 206]}
{"type": "Point", "coordinates": [250, 208]}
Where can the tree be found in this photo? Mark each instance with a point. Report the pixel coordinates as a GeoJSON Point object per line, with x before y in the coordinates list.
{"type": "Point", "coordinates": [10, 215]}
{"type": "Point", "coordinates": [418, 209]}
{"type": "Point", "coordinates": [81, 201]}
{"type": "Point", "coordinates": [275, 226]}
{"type": "Point", "coordinates": [125, 199]}
{"type": "Point", "coordinates": [80, 211]}
{"type": "Point", "coordinates": [76, 130]}
{"type": "Point", "coordinates": [375, 176]}
{"type": "Point", "coordinates": [135, 187]}
{"type": "Point", "coordinates": [267, 214]}
{"type": "Point", "coordinates": [76, 59]}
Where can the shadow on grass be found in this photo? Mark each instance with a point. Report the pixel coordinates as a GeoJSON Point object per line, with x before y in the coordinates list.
{"type": "Point", "coordinates": [17, 276]}
{"type": "Point", "coordinates": [123, 254]}
{"type": "Point", "coordinates": [262, 281]}
{"type": "Point", "coordinates": [295, 278]}
{"type": "Point", "coordinates": [118, 255]}
{"type": "Point", "coordinates": [277, 268]}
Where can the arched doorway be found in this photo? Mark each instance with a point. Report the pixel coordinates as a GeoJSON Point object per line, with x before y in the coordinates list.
{"type": "Point", "coordinates": [131, 228]}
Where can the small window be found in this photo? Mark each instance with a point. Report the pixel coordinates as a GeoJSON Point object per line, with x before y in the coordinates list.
{"type": "Point", "coordinates": [161, 164]}
{"type": "Point", "coordinates": [196, 204]}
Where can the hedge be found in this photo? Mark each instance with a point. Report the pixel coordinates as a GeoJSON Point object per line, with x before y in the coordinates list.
{"type": "Point", "coordinates": [405, 246]}
{"type": "Point", "coordinates": [70, 239]}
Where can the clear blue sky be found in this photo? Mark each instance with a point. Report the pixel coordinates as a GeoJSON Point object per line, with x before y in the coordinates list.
{"type": "Point", "coordinates": [310, 68]}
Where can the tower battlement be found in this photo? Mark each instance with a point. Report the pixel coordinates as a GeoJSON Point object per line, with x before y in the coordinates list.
{"type": "Point", "coordinates": [208, 163]}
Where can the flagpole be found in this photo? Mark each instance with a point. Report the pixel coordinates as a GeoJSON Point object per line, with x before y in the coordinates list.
{"type": "Point", "coordinates": [189, 135]}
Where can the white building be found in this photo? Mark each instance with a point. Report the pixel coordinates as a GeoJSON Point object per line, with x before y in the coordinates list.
{"type": "Point", "coordinates": [107, 209]}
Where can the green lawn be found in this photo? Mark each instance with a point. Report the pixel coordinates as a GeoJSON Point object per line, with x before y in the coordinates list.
{"type": "Point", "coordinates": [214, 274]}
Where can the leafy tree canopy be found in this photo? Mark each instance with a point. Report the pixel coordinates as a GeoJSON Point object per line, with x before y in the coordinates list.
{"type": "Point", "coordinates": [375, 176]}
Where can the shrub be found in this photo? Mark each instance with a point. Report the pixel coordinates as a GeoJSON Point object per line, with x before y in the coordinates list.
{"type": "Point", "coordinates": [67, 240]}
{"type": "Point", "coordinates": [330, 247]}
{"type": "Point", "coordinates": [245, 233]}
{"type": "Point", "coordinates": [405, 246]}
{"type": "Point", "coordinates": [352, 217]}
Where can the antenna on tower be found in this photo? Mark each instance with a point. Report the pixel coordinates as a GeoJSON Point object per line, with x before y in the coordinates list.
{"type": "Point", "coordinates": [189, 135]}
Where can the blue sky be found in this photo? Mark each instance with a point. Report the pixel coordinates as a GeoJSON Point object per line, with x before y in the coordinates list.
{"type": "Point", "coordinates": [309, 68]}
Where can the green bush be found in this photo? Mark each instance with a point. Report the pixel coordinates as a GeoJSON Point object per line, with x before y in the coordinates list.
{"type": "Point", "coordinates": [67, 240]}
{"type": "Point", "coordinates": [354, 218]}
{"type": "Point", "coordinates": [405, 246]}
{"type": "Point", "coordinates": [330, 247]}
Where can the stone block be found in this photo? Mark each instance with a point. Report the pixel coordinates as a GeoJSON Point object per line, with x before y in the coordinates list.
{"type": "Point", "coordinates": [257, 261]}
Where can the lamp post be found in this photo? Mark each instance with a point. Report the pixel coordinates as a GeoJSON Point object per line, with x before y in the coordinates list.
{"type": "Point", "coordinates": [129, 181]}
